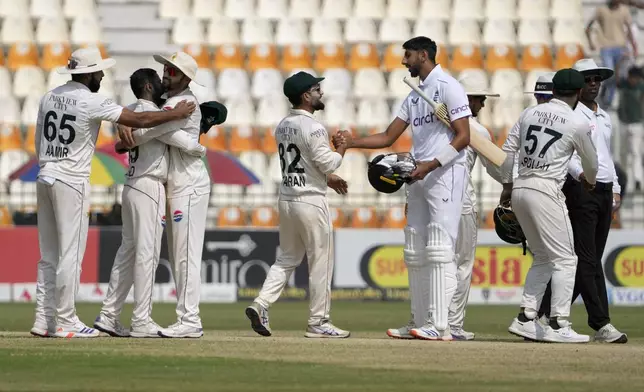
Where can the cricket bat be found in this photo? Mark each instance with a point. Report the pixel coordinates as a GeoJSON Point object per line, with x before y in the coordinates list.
{"type": "Point", "coordinates": [482, 145]}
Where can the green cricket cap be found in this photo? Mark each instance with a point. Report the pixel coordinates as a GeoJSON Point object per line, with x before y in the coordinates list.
{"type": "Point", "coordinates": [298, 83]}
{"type": "Point", "coordinates": [212, 113]}
{"type": "Point", "coordinates": [568, 79]}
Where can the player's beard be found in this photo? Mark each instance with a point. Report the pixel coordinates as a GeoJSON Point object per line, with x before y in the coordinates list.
{"type": "Point", "coordinates": [94, 84]}
{"type": "Point", "coordinates": [166, 84]}
{"type": "Point", "coordinates": [413, 71]}
{"type": "Point", "coordinates": [318, 105]}
{"type": "Point", "coordinates": [157, 92]}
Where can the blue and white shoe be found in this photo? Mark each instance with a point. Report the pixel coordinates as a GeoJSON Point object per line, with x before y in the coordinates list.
{"type": "Point", "coordinates": [258, 316]}
{"type": "Point", "coordinates": [461, 334]}
{"type": "Point", "coordinates": [326, 331]}
{"type": "Point", "coordinates": [402, 332]}
{"type": "Point", "coordinates": [78, 330]}
{"type": "Point", "coordinates": [111, 327]}
{"type": "Point", "coordinates": [429, 332]}
{"type": "Point", "coordinates": [181, 331]}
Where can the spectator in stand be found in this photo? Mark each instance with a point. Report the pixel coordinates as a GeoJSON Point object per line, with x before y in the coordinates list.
{"type": "Point", "coordinates": [630, 113]}
{"type": "Point", "coordinates": [615, 22]}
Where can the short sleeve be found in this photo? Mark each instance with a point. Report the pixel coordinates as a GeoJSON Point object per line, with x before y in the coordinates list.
{"type": "Point", "coordinates": [458, 106]}
{"type": "Point", "coordinates": [403, 112]}
{"type": "Point", "coordinates": [103, 108]}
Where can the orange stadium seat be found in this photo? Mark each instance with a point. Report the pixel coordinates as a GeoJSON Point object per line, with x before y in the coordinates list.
{"type": "Point", "coordinates": [535, 57]}
{"type": "Point", "coordinates": [338, 219]}
{"type": "Point", "coordinates": [262, 56]}
{"type": "Point", "coordinates": [364, 217]}
{"type": "Point", "coordinates": [215, 139]}
{"type": "Point", "coordinates": [363, 55]}
{"type": "Point", "coordinates": [392, 58]}
{"type": "Point", "coordinates": [105, 137]}
{"type": "Point", "coordinates": [501, 136]}
{"type": "Point", "coordinates": [567, 55]}
{"type": "Point", "coordinates": [466, 57]}
{"type": "Point", "coordinates": [267, 143]}
{"type": "Point", "coordinates": [200, 53]}
{"type": "Point", "coordinates": [329, 56]}
{"type": "Point", "coordinates": [242, 139]}
{"type": "Point", "coordinates": [10, 138]}
{"type": "Point", "coordinates": [264, 217]}
{"type": "Point", "coordinates": [442, 57]}
{"type": "Point", "coordinates": [1, 57]}
{"type": "Point", "coordinates": [295, 57]}
{"type": "Point", "coordinates": [500, 57]}
{"type": "Point", "coordinates": [22, 54]}
{"type": "Point", "coordinates": [5, 217]}
{"type": "Point", "coordinates": [403, 144]}
{"type": "Point", "coordinates": [231, 217]}
{"type": "Point", "coordinates": [394, 218]}
{"type": "Point", "coordinates": [54, 55]}
{"type": "Point", "coordinates": [228, 56]}
{"type": "Point", "coordinates": [30, 140]}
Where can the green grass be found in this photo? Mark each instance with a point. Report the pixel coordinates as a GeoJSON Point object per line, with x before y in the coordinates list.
{"type": "Point", "coordinates": [231, 357]}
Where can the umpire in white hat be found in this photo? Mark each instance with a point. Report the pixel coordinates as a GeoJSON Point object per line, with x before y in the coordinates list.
{"type": "Point", "coordinates": [591, 210]}
{"type": "Point", "coordinates": [543, 88]}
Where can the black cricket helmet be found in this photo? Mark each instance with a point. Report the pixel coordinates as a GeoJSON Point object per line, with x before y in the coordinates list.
{"type": "Point", "coordinates": [389, 172]}
{"type": "Point", "coordinates": [507, 226]}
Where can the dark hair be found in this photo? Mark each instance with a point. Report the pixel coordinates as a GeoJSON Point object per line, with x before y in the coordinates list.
{"type": "Point", "coordinates": [635, 72]}
{"type": "Point", "coordinates": [139, 79]}
{"type": "Point", "coordinates": [564, 93]}
{"type": "Point", "coordinates": [295, 100]}
{"type": "Point", "coordinates": [422, 43]}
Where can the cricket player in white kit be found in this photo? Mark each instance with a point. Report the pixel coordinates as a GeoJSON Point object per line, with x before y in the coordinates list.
{"type": "Point", "coordinates": [188, 194]}
{"type": "Point", "coordinates": [69, 118]}
{"type": "Point", "coordinates": [435, 200]}
{"type": "Point", "coordinates": [305, 227]}
{"type": "Point", "coordinates": [468, 226]}
{"type": "Point", "coordinates": [548, 136]}
{"type": "Point", "coordinates": [143, 214]}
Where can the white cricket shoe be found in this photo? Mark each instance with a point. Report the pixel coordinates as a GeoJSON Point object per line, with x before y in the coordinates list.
{"type": "Point", "coordinates": [609, 334]}
{"type": "Point", "coordinates": [403, 332]}
{"type": "Point", "coordinates": [43, 330]}
{"type": "Point", "coordinates": [258, 316]}
{"type": "Point", "coordinates": [181, 331]}
{"type": "Point", "coordinates": [429, 332]}
{"type": "Point", "coordinates": [149, 330]}
{"type": "Point", "coordinates": [326, 330]}
{"type": "Point", "coordinates": [78, 330]}
{"type": "Point", "coordinates": [564, 334]}
{"type": "Point", "coordinates": [461, 334]}
{"type": "Point", "coordinates": [111, 327]}
{"type": "Point", "coordinates": [530, 330]}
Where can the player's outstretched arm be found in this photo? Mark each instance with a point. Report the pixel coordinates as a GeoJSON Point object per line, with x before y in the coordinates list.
{"type": "Point", "coordinates": [583, 142]}
{"type": "Point", "coordinates": [379, 140]}
{"type": "Point", "coordinates": [154, 118]}
{"type": "Point", "coordinates": [183, 141]}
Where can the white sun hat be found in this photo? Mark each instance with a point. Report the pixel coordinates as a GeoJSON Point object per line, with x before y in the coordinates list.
{"type": "Point", "coordinates": [590, 67]}
{"type": "Point", "coordinates": [475, 86]}
{"type": "Point", "coordinates": [86, 60]}
{"type": "Point", "coordinates": [543, 84]}
{"type": "Point", "coordinates": [183, 62]}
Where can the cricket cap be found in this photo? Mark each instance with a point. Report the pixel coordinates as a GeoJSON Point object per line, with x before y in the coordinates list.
{"type": "Point", "coordinates": [299, 83]}
{"type": "Point", "coordinates": [568, 79]}
{"type": "Point", "coordinates": [212, 113]}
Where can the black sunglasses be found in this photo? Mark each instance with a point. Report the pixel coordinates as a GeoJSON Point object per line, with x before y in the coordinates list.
{"type": "Point", "coordinates": [593, 79]}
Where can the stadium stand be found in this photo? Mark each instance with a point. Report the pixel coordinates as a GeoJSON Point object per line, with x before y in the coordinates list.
{"type": "Point", "coordinates": [245, 49]}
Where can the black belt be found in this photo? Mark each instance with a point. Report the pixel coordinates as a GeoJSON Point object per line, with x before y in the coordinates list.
{"type": "Point", "coordinates": [603, 186]}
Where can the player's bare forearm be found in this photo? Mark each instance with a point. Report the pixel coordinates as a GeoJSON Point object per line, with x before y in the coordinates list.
{"type": "Point", "coordinates": [380, 140]}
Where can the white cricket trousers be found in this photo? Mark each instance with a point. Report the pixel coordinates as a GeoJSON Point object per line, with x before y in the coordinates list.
{"type": "Point", "coordinates": [543, 217]}
{"type": "Point", "coordinates": [63, 220]}
{"type": "Point", "coordinates": [186, 221]}
{"type": "Point", "coordinates": [438, 198]}
{"type": "Point", "coordinates": [635, 134]}
{"type": "Point", "coordinates": [465, 254]}
{"type": "Point", "coordinates": [305, 228]}
{"type": "Point", "coordinates": [138, 256]}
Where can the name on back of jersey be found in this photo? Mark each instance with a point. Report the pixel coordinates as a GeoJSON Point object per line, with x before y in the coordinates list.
{"type": "Point", "coordinates": [290, 154]}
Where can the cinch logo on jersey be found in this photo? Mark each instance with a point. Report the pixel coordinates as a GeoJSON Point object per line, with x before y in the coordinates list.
{"type": "Point", "coordinates": [177, 216]}
{"type": "Point", "coordinates": [420, 121]}
{"type": "Point", "coordinates": [460, 110]}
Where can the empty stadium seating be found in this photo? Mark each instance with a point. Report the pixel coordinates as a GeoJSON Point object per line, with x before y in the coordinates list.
{"type": "Point", "coordinates": [246, 48]}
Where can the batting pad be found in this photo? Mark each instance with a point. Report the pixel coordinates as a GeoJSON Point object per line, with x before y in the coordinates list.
{"type": "Point", "coordinates": [440, 254]}
{"type": "Point", "coordinates": [416, 271]}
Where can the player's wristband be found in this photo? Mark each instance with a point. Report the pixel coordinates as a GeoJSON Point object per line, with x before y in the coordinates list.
{"type": "Point", "coordinates": [447, 155]}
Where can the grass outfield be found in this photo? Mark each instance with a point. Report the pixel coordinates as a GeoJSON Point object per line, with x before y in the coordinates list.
{"type": "Point", "coordinates": [230, 357]}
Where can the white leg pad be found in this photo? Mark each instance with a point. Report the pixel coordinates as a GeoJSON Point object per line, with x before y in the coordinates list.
{"type": "Point", "coordinates": [440, 254]}
{"type": "Point", "coordinates": [416, 262]}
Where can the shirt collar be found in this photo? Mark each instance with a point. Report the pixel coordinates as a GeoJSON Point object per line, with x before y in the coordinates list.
{"type": "Point", "coordinates": [78, 85]}
{"type": "Point", "coordinates": [302, 112]}
{"type": "Point", "coordinates": [435, 72]}
{"type": "Point", "coordinates": [588, 112]}
{"type": "Point", "coordinates": [145, 101]}
{"type": "Point", "coordinates": [184, 92]}
{"type": "Point", "coordinates": [560, 102]}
